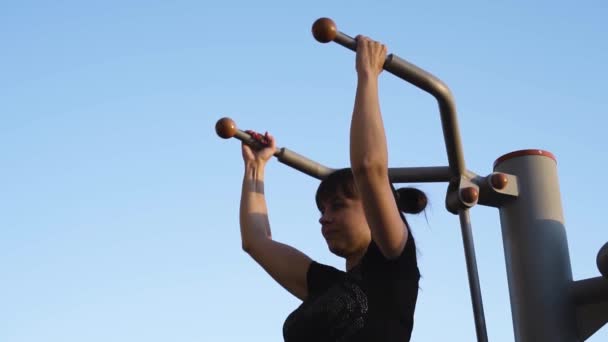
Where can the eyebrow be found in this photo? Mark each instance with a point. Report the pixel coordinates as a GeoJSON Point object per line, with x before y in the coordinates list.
{"type": "Point", "coordinates": [334, 198]}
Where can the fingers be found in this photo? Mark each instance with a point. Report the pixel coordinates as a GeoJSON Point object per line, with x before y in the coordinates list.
{"type": "Point", "coordinates": [246, 148]}
{"type": "Point", "coordinates": [365, 44]}
{"type": "Point", "coordinates": [369, 44]}
{"type": "Point", "coordinates": [271, 141]}
{"type": "Point", "coordinates": [247, 152]}
{"type": "Point", "coordinates": [371, 55]}
{"type": "Point", "coordinates": [267, 152]}
{"type": "Point", "coordinates": [259, 153]}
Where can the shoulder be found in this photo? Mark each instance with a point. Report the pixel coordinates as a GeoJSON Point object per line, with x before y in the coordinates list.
{"type": "Point", "coordinates": [374, 263]}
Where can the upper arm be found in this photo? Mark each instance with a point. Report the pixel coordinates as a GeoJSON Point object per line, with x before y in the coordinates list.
{"type": "Point", "coordinates": [388, 229]}
{"type": "Point", "coordinates": [285, 264]}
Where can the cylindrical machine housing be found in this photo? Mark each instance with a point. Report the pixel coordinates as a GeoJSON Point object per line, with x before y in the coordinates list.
{"type": "Point", "coordinates": [536, 250]}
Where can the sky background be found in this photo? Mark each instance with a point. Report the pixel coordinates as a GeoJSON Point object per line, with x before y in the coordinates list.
{"type": "Point", "coordinates": [119, 203]}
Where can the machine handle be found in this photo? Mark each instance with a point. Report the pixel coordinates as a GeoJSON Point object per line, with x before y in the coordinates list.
{"type": "Point", "coordinates": [226, 128]}
{"type": "Point", "coordinates": [325, 30]}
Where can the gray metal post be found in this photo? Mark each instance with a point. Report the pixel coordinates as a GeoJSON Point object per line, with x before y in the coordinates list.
{"type": "Point", "coordinates": [536, 250]}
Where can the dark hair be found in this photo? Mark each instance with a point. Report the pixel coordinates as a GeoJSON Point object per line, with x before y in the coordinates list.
{"type": "Point", "coordinates": [409, 200]}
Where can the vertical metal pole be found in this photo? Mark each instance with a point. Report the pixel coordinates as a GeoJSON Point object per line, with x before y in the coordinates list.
{"type": "Point", "coordinates": [536, 250]}
{"type": "Point", "coordinates": [469, 250]}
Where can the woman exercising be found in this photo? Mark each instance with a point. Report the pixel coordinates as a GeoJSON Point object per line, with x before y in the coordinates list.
{"type": "Point", "coordinates": [361, 221]}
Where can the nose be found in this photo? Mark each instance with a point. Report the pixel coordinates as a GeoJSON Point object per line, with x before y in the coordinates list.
{"type": "Point", "coordinates": [324, 219]}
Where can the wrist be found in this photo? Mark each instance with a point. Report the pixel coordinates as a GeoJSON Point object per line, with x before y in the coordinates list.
{"type": "Point", "coordinates": [255, 168]}
{"type": "Point", "coordinates": [367, 76]}
{"type": "Point", "coordinates": [255, 163]}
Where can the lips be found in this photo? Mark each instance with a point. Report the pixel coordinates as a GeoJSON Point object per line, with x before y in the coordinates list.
{"type": "Point", "coordinates": [326, 231]}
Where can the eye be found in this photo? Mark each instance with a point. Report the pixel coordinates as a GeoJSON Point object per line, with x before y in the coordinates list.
{"type": "Point", "coordinates": [337, 205]}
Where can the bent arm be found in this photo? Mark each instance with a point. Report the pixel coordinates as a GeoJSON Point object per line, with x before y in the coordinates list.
{"type": "Point", "coordinates": [369, 162]}
{"type": "Point", "coordinates": [285, 264]}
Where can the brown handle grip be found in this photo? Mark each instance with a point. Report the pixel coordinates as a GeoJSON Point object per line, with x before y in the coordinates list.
{"type": "Point", "coordinates": [324, 30]}
{"type": "Point", "coordinates": [226, 128]}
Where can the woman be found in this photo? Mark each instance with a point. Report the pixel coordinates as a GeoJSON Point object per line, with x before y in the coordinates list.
{"type": "Point", "coordinates": [374, 300]}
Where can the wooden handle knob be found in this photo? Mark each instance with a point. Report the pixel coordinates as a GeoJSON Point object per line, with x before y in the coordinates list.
{"type": "Point", "coordinates": [499, 180]}
{"type": "Point", "coordinates": [469, 195]}
{"type": "Point", "coordinates": [225, 128]}
{"type": "Point", "coordinates": [324, 30]}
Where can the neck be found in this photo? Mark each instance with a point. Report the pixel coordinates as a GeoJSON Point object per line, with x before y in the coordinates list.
{"type": "Point", "coordinates": [354, 259]}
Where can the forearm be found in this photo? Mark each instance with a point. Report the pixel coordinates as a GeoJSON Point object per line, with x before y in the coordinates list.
{"type": "Point", "coordinates": [367, 137]}
{"type": "Point", "coordinates": [253, 211]}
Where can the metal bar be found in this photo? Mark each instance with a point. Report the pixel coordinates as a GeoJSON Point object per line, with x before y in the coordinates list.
{"type": "Point", "coordinates": [302, 163]}
{"type": "Point", "coordinates": [429, 174]}
{"type": "Point", "coordinates": [346, 41]}
{"type": "Point", "coordinates": [469, 250]}
{"type": "Point", "coordinates": [592, 290]}
{"type": "Point", "coordinates": [312, 168]}
{"type": "Point", "coordinates": [288, 157]}
{"type": "Point", "coordinates": [447, 108]}
{"type": "Point", "coordinates": [431, 84]}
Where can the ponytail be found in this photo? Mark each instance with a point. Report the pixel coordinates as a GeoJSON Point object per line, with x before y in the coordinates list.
{"type": "Point", "coordinates": [410, 200]}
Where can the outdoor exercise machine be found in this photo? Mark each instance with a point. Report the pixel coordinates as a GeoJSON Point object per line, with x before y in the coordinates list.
{"type": "Point", "coordinates": [546, 303]}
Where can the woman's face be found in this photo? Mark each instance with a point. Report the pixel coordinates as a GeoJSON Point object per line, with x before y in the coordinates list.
{"type": "Point", "coordinates": [344, 226]}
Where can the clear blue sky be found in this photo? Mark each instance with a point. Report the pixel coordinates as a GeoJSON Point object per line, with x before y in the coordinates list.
{"type": "Point", "coordinates": [118, 206]}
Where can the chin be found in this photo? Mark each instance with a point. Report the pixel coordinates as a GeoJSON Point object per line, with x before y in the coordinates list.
{"type": "Point", "coordinates": [337, 252]}
{"type": "Point", "coordinates": [336, 249]}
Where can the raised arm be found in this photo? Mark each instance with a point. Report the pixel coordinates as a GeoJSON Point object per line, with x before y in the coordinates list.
{"type": "Point", "coordinates": [368, 153]}
{"type": "Point", "coordinates": [285, 264]}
